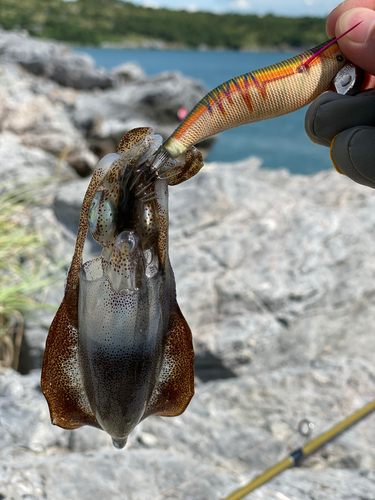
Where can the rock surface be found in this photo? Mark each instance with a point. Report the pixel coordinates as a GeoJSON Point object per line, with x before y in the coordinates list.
{"type": "Point", "coordinates": [54, 61]}
{"type": "Point", "coordinates": [275, 276]}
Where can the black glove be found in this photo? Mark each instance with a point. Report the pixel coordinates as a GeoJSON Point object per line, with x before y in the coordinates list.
{"type": "Point", "coordinates": [346, 124]}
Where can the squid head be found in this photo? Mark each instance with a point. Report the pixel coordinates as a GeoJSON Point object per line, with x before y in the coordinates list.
{"type": "Point", "coordinates": [119, 349]}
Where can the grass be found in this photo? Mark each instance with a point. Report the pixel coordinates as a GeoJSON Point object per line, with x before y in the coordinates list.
{"type": "Point", "coordinates": [23, 269]}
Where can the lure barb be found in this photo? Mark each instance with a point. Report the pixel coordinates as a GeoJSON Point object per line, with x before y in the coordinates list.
{"type": "Point", "coordinates": [259, 95]}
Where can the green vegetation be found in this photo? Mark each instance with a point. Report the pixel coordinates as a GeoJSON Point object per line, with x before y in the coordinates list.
{"type": "Point", "coordinates": [23, 270]}
{"type": "Point", "coordinates": [90, 22]}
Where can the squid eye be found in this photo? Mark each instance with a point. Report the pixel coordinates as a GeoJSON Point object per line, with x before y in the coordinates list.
{"type": "Point", "coordinates": [340, 58]}
{"type": "Point", "coordinates": [102, 218]}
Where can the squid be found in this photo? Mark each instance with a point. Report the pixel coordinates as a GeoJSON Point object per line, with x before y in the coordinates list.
{"type": "Point", "coordinates": [119, 348]}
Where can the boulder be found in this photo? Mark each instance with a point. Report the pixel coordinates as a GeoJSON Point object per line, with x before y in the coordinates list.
{"type": "Point", "coordinates": [67, 106]}
{"type": "Point", "coordinates": [261, 257]}
{"type": "Point", "coordinates": [54, 61]}
{"type": "Point", "coordinates": [39, 122]}
{"type": "Point", "coordinates": [21, 164]}
{"type": "Point", "coordinates": [274, 277]}
{"type": "Point", "coordinates": [128, 72]}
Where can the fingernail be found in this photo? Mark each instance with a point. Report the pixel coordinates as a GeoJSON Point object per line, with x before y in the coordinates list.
{"type": "Point", "coordinates": [362, 32]}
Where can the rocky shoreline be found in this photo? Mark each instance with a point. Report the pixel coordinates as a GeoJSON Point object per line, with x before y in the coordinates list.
{"type": "Point", "coordinates": [62, 103]}
{"type": "Point", "coordinates": [162, 45]}
{"type": "Point", "coordinates": [275, 276]}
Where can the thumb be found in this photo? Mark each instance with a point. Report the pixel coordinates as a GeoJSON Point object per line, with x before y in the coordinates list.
{"type": "Point", "coordinates": [359, 44]}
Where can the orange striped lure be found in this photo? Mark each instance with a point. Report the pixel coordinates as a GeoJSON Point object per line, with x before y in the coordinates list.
{"type": "Point", "coordinates": [259, 95]}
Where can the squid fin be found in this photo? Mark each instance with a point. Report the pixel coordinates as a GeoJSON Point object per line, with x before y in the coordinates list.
{"type": "Point", "coordinates": [175, 386]}
{"type": "Point", "coordinates": [61, 380]}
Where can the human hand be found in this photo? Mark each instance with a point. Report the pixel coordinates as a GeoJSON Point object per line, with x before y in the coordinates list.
{"type": "Point", "coordinates": [346, 124]}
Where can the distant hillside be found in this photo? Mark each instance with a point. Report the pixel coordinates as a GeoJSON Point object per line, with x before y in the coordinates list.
{"type": "Point", "coordinates": [91, 22]}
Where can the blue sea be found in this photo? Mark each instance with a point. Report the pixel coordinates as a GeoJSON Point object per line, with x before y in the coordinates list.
{"type": "Point", "coordinates": [280, 143]}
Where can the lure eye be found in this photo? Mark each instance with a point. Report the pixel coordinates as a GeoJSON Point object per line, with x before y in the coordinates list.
{"type": "Point", "coordinates": [340, 58]}
{"type": "Point", "coordinates": [102, 218]}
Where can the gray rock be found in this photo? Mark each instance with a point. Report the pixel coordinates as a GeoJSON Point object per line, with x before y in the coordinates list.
{"type": "Point", "coordinates": [232, 431]}
{"type": "Point", "coordinates": [22, 164]}
{"type": "Point", "coordinates": [287, 353]}
{"type": "Point", "coordinates": [53, 60]}
{"type": "Point", "coordinates": [39, 122]}
{"type": "Point", "coordinates": [33, 343]}
{"type": "Point", "coordinates": [321, 485]}
{"type": "Point", "coordinates": [65, 100]}
{"type": "Point", "coordinates": [128, 72]}
{"type": "Point", "coordinates": [24, 416]}
{"type": "Point", "coordinates": [262, 257]}
{"type": "Point", "coordinates": [67, 203]}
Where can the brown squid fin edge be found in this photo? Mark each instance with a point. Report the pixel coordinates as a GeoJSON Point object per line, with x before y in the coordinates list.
{"type": "Point", "coordinates": [61, 381]}
{"type": "Point", "coordinates": [175, 386]}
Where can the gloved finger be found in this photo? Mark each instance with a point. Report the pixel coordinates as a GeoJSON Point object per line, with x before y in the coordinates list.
{"type": "Point", "coordinates": [353, 154]}
{"type": "Point", "coordinates": [332, 113]}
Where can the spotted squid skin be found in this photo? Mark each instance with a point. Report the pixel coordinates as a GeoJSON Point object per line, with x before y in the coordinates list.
{"type": "Point", "coordinates": [119, 348]}
{"type": "Point", "coordinates": [259, 95]}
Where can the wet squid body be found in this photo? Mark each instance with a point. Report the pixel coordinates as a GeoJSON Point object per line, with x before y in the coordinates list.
{"type": "Point", "coordinates": [119, 348]}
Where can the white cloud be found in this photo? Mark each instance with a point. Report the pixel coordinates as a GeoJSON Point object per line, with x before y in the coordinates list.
{"type": "Point", "coordinates": [151, 4]}
{"type": "Point", "coordinates": [191, 7]}
{"type": "Point", "coordinates": [240, 5]}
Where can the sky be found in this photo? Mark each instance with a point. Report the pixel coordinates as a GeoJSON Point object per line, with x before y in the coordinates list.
{"type": "Point", "coordinates": [260, 7]}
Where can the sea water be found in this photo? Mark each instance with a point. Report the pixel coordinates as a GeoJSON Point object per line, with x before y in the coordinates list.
{"type": "Point", "coordinates": [280, 143]}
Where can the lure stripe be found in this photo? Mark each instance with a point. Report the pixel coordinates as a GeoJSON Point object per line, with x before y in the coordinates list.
{"type": "Point", "coordinates": [227, 91]}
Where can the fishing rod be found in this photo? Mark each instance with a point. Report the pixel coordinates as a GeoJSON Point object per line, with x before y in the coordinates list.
{"type": "Point", "coordinates": [296, 456]}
